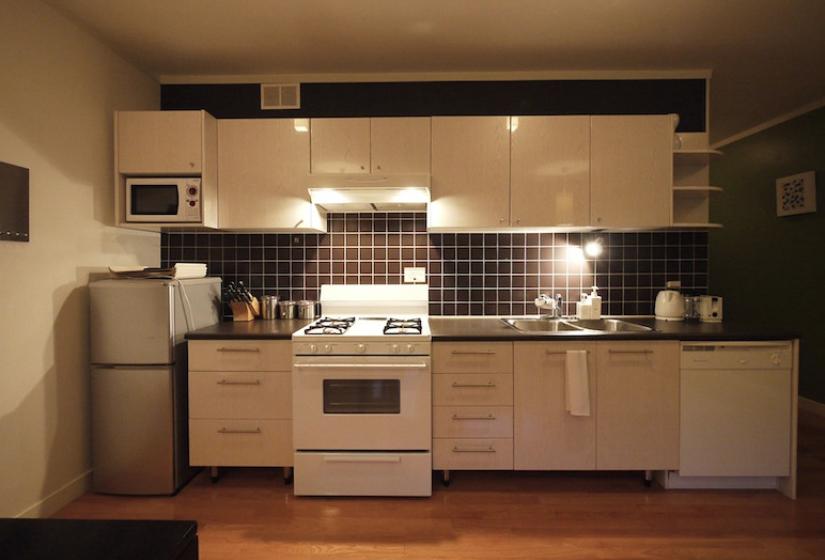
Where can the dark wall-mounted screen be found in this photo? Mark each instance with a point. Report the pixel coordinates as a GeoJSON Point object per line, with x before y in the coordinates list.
{"type": "Point", "coordinates": [14, 203]}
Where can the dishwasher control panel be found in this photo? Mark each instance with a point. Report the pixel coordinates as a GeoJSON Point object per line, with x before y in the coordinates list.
{"type": "Point", "coordinates": [737, 355]}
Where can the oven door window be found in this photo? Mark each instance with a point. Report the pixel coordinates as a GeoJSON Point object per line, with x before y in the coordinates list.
{"type": "Point", "coordinates": [155, 200]}
{"type": "Point", "coordinates": [362, 396]}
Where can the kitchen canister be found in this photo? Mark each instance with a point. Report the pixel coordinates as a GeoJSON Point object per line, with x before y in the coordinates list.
{"type": "Point", "coordinates": [306, 309]}
{"type": "Point", "coordinates": [269, 307]}
{"type": "Point", "coordinates": [287, 308]}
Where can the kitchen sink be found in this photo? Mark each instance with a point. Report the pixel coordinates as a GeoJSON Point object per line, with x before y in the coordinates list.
{"type": "Point", "coordinates": [545, 325]}
{"type": "Point", "coordinates": [610, 325]}
{"type": "Point", "coordinates": [541, 325]}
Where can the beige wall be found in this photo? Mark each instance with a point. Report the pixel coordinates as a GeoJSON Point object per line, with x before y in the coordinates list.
{"type": "Point", "coordinates": [58, 89]}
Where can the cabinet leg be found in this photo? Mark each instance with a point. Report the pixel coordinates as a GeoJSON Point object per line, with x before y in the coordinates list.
{"type": "Point", "coordinates": [648, 480]}
{"type": "Point", "coordinates": [445, 477]}
{"type": "Point", "coordinates": [214, 474]}
{"type": "Point", "coordinates": [287, 475]}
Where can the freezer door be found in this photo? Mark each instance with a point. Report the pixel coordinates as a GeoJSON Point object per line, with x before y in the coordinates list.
{"type": "Point", "coordinates": [131, 322]}
{"type": "Point", "coordinates": [133, 440]}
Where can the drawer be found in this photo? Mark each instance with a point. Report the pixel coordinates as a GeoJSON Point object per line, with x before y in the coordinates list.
{"type": "Point", "coordinates": [363, 474]}
{"type": "Point", "coordinates": [240, 443]}
{"type": "Point", "coordinates": [240, 355]}
{"type": "Point", "coordinates": [237, 394]}
{"type": "Point", "coordinates": [458, 454]}
{"type": "Point", "coordinates": [473, 357]}
{"type": "Point", "coordinates": [737, 355]}
{"type": "Point", "coordinates": [473, 421]}
{"type": "Point", "coordinates": [469, 389]}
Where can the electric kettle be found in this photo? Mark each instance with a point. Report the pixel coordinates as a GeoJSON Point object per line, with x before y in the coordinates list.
{"type": "Point", "coordinates": [670, 304]}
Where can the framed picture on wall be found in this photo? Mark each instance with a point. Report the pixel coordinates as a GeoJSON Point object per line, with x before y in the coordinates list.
{"type": "Point", "coordinates": [796, 194]}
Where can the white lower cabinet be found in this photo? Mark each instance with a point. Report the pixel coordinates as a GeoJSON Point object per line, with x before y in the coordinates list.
{"type": "Point", "coordinates": [546, 435]}
{"type": "Point", "coordinates": [240, 403]}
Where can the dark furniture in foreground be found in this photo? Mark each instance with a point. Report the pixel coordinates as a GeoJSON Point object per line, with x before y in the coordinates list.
{"type": "Point", "coordinates": [77, 539]}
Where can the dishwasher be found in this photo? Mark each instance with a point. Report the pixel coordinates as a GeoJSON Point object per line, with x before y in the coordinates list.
{"type": "Point", "coordinates": [736, 417]}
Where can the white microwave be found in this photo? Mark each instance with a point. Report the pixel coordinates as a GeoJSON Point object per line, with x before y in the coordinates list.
{"type": "Point", "coordinates": [160, 200]}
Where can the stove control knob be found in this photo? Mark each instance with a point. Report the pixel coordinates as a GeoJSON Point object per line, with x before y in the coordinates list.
{"type": "Point", "coordinates": [410, 348]}
{"type": "Point", "coordinates": [361, 348]}
{"type": "Point", "coordinates": [395, 349]}
{"type": "Point", "coordinates": [327, 348]}
{"type": "Point", "coordinates": [313, 348]}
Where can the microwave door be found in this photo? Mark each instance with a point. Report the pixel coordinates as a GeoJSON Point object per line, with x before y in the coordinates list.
{"type": "Point", "coordinates": [154, 200]}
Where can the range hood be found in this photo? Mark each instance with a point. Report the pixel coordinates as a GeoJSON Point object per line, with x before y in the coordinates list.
{"type": "Point", "coordinates": [369, 193]}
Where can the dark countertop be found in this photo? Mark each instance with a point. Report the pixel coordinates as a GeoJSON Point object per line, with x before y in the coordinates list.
{"type": "Point", "coordinates": [76, 539]}
{"type": "Point", "coordinates": [259, 329]}
{"type": "Point", "coordinates": [490, 328]}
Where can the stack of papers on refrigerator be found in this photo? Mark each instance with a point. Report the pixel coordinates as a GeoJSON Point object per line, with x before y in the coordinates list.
{"type": "Point", "coordinates": [179, 271]}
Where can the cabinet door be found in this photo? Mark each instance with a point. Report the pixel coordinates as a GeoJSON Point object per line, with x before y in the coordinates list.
{"type": "Point", "coordinates": [470, 172]}
{"type": "Point", "coordinates": [637, 405]}
{"type": "Point", "coordinates": [262, 170]}
{"type": "Point", "coordinates": [545, 435]}
{"type": "Point", "coordinates": [340, 145]}
{"type": "Point", "coordinates": [550, 176]}
{"type": "Point", "coordinates": [400, 145]}
{"type": "Point", "coordinates": [631, 170]}
{"type": "Point", "coordinates": [160, 142]}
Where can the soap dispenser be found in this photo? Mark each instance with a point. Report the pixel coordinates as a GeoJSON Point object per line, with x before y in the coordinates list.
{"type": "Point", "coordinates": [595, 303]}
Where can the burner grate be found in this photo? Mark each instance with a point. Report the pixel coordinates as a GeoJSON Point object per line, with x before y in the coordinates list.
{"type": "Point", "coordinates": [403, 326]}
{"type": "Point", "coordinates": [329, 325]}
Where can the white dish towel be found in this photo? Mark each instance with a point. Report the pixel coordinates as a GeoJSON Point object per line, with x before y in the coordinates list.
{"type": "Point", "coordinates": [576, 383]}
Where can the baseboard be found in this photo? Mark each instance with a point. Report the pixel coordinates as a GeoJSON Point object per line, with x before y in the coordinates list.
{"type": "Point", "coordinates": [61, 497]}
{"type": "Point", "coordinates": [812, 407]}
{"type": "Point", "coordinates": [671, 480]}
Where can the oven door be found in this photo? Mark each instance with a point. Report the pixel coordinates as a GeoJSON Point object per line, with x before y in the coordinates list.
{"type": "Point", "coordinates": [362, 403]}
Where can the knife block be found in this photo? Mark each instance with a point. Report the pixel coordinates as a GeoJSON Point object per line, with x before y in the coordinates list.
{"type": "Point", "coordinates": [243, 311]}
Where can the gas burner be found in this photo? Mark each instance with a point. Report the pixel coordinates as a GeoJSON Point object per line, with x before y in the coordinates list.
{"type": "Point", "coordinates": [403, 326]}
{"type": "Point", "coordinates": [329, 325]}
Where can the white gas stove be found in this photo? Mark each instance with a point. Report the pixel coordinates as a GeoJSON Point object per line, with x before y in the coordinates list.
{"type": "Point", "coordinates": [362, 394]}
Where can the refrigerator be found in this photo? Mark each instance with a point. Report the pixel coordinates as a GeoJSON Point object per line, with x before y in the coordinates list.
{"type": "Point", "coordinates": [139, 380]}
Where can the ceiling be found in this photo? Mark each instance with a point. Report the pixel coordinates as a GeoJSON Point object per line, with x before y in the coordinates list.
{"type": "Point", "coordinates": [767, 56]}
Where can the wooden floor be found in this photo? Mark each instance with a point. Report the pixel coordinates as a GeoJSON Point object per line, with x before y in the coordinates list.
{"type": "Point", "coordinates": [251, 515]}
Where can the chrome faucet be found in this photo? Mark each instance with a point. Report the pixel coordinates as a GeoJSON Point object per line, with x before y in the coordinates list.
{"type": "Point", "coordinates": [553, 304]}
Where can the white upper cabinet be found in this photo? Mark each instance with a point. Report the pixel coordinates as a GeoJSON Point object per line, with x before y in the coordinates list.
{"type": "Point", "coordinates": [631, 171]}
{"type": "Point", "coordinates": [550, 177]}
{"type": "Point", "coordinates": [340, 145]}
{"type": "Point", "coordinates": [262, 169]}
{"type": "Point", "coordinates": [160, 142]}
{"type": "Point", "coordinates": [400, 145]}
{"type": "Point", "coordinates": [470, 173]}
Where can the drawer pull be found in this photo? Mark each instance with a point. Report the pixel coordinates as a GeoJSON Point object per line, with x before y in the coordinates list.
{"type": "Point", "coordinates": [643, 351]}
{"type": "Point", "coordinates": [227, 382]}
{"type": "Point", "coordinates": [362, 459]}
{"type": "Point", "coordinates": [555, 352]}
{"type": "Point", "coordinates": [228, 431]}
{"type": "Point", "coordinates": [488, 385]}
{"type": "Point", "coordinates": [472, 353]}
{"type": "Point", "coordinates": [488, 417]}
{"type": "Point", "coordinates": [247, 350]}
{"type": "Point", "coordinates": [458, 449]}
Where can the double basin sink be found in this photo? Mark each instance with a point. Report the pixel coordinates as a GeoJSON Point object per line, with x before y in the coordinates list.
{"type": "Point", "coordinates": [543, 325]}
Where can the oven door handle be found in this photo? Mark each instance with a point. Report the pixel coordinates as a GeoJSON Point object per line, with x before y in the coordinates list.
{"type": "Point", "coordinates": [361, 366]}
{"type": "Point", "coordinates": [362, 458]}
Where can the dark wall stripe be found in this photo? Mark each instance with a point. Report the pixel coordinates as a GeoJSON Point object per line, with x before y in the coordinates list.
{"type": "Point", "coordinates": [686, 97]}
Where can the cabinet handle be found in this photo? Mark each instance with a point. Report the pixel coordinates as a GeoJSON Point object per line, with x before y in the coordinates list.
{"type": "Point", "coordinates": [458, 449]}
{"type": "Point", "coordinates": [225, 349]}
{"type": "Point", "coordinates": [227, 382]}
{"type": "Point", "coordinates": [488, 385]}
{"type": "Point", "coordinates": [488, 417]}
{"type": "Point", "coordinates": [643, 351]}
{"type": "Point", "coordinates": [555, 352]}
{"type": "Point", "coordinates": [473, 353]}
{"type": "Point", "coordinates": [228, 431]}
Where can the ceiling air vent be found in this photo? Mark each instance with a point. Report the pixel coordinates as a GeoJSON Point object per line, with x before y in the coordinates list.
{"type": "Point", "coordinates": [280, 96]}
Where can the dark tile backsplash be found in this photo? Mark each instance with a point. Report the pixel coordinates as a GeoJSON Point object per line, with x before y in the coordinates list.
{"type": "Point", "coordinates": [468, 273]}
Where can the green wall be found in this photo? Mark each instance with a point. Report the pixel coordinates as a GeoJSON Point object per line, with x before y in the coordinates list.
{"type": "Point", "coordinates": [770, 270]}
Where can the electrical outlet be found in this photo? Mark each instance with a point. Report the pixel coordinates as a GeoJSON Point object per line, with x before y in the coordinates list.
{"type": "Point", "coordinates": [414, 275]}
